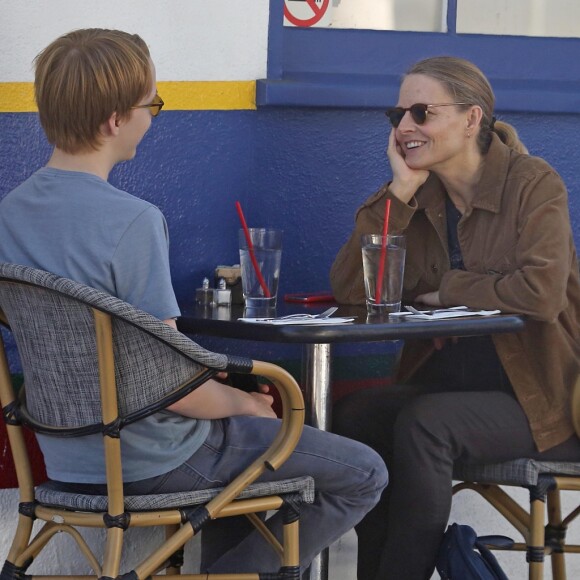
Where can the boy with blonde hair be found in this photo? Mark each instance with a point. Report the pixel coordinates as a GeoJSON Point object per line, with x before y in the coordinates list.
{"type": "Point", "coordinates": [96, 94]}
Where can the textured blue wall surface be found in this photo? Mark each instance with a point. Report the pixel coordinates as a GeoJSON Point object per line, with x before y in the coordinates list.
{"type": "Point", "coordinates": [315, 167]}
{"type": "Point", "coordinates": [304, 170]}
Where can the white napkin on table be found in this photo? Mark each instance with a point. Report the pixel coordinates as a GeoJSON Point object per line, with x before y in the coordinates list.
{"type": "Point", "coordinates": [309, 321]}
{"type": "Point", "coordinates": [444, 313]}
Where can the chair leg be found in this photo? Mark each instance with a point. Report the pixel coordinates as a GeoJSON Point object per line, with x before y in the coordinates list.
{"type": "Point", "coordinates": [535, 548]}
{"type": "Point", "coordinates": [291, 559]}
{"type": "Point", "coordinates": [21, 538]}
{"type": "Point", "coordinates": [556, 535]}
{"type": "Point", "coordinates": [113, 549]}
{"type": "Point", "coordinates": [176, 561]}
{"type": "Point", "coordinates": [12, 572]}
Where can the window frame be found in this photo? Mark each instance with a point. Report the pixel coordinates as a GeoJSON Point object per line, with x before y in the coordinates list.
{"type": "Point", "coordinates": [320, 67]}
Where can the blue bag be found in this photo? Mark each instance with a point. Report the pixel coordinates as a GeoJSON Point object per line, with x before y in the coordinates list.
{"type": "Point", "coordinates": [464, 556]}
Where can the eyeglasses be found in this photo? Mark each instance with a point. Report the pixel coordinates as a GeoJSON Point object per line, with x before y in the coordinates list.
{"type": "Point", "coordinates": [418, 111]}
{"type": "Point", "coordinates": [154, 106]}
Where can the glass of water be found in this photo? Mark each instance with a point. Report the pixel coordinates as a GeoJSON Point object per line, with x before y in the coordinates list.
{"type": "Point", "coordinates": [384, 269]}
{"type": "Point", "coordinates": [260, 258]}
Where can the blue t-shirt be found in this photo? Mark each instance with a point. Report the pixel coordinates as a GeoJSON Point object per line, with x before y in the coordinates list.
{"type": "Point", "coordinates": [79, 226]}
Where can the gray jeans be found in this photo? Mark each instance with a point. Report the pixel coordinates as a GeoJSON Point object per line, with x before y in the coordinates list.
{"type": "Point", "coordinates": [463, 409]}
{"type": "Point", "coordinates": [349, 478]}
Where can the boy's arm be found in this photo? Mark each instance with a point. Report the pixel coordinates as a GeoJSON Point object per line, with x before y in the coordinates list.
{"type": "Point", "coordinates": [214, 400]}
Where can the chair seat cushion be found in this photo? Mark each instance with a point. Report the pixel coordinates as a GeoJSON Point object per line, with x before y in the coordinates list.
{"type": "Point", "coordinates": [98, 503]}
{"type": "Point", "coordinates": [516, 472]}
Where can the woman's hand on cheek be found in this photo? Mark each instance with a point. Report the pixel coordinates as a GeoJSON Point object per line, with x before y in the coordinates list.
{"type": "Point", "coordinates": [406, 180]}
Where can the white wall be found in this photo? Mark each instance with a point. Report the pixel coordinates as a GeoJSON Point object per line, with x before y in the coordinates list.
{"type": "Point", "coordinates": [189, 39]}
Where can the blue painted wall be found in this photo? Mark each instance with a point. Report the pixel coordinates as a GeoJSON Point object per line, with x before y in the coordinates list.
{"type": "Point", "coordinates": [304, 170]}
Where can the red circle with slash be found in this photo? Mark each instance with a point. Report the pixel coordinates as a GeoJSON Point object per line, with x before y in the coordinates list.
{"type": "Point", "coordinates": [319, 12]}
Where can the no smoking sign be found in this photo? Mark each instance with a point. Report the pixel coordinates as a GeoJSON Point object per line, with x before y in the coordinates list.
{"type": "Point", "coordinates": [305, 13]}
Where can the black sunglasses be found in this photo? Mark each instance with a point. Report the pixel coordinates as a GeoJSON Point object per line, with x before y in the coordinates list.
{"type": "Point", "coordinates": [154, 106]}
{"type": "Point", "coordinates": [418, 112]}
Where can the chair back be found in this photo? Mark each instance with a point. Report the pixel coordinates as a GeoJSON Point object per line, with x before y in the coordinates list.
{"type": "Point", "coordinates": [53, 322]}
{"type": "Point", "coordinates": [93, 363]}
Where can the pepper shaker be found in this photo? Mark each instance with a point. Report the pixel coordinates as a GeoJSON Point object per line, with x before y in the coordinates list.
{"type": "Point", "coordinates": [222, 295]}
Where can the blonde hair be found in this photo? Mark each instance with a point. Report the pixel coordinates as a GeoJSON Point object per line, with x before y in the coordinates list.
{"type": "Point", "coordinates": [85, 76]}
{"type": "Point", "coordinates": [509, 136]}
{"type": "Point", "coordinates": [465, 83]}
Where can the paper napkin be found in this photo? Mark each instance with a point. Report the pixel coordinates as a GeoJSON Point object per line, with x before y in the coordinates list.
{"type": "Point", "coordinates": [302, 321]}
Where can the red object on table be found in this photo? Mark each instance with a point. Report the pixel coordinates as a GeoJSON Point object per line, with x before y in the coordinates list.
{"type": "Point", "coordinates": [309, 297]}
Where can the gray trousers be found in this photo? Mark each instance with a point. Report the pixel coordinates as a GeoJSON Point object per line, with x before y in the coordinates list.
{"type": "Point", "coordinates": [462, 409]}
{"type": "Point", "coordinates": [349, 478]}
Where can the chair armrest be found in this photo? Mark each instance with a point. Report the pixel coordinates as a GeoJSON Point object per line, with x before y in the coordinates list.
{"type": "Point", "coordinates": [292, 411]}
{"type": "Point", "coordinates": [283, 444]}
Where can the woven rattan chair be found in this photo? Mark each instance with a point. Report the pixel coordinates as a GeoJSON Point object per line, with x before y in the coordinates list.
{"type": "Point", "coordinates": [544, 480]}
{"type": "Point", "coordinates": [79, 344]}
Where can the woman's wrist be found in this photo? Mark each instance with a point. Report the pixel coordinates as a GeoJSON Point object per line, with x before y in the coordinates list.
{"type": "Point", "coordinates": [402, 191]}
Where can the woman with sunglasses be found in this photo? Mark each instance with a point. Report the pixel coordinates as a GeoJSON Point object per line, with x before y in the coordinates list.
{"type": "Point", "coordinates": [487, 226]}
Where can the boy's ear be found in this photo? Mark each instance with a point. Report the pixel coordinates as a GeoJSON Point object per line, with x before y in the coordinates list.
{"type": "Point", "coordinates": [111, 125]}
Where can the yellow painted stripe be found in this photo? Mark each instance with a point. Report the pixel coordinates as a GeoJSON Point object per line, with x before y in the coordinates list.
{"type": "Point", "coordinates": [17, 98]}
{"type": "Point", "coordinates": [208, 95]}
{"type": "Point", "coordinates": [178, 96]}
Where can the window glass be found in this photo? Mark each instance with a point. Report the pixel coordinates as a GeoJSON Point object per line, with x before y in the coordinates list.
{"type": "Point", "coordinates": [410, 15]}
{"type": "Point", "coordinates": [555, 18]}
{"type": "Point", "coordinates": [519, 17]}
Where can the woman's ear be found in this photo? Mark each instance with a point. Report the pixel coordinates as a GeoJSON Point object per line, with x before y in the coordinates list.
{"type": "Point", "coordinates": [474, 117]}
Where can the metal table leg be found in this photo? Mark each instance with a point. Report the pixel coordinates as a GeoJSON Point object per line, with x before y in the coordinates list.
{"type": "Point", "coordinates": [316, 382]}
{"type": "Point", "coordinates": [316, 370]}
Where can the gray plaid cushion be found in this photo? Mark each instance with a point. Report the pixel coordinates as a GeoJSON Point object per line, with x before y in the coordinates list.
{"type": "Point", "coordinates": [98, 503]}
{"type": "Point", "coordinates": [53, 328]}
{"type": "Point", "coordinates": [516, 472]}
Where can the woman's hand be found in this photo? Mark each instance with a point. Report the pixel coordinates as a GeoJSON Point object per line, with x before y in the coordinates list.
{"type": "Point", "coordinates": [431, 299]}
{"type": "Point", "coordinates": [406, 181]}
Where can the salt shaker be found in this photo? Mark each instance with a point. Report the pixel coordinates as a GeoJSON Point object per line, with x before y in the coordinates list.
{"type": "Point", "coordinates": [222, 295]}
{"type": "Point", "coordinates": [204, 295]}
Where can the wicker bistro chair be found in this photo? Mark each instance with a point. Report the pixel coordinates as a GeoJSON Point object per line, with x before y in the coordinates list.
{"type": "Point", "coordinates": [93, 363]}
{"type": "Point", "coordinates": [544, 480]}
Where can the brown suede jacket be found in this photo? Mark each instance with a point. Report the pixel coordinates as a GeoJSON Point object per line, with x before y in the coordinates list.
{"type": "Point", "coordinates": [519, 256]}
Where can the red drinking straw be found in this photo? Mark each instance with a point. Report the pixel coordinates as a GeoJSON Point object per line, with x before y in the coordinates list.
{"type": "Point", "coordinates": [383, 259]}
{"type": "Point", "coordinates": [251, 251]}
